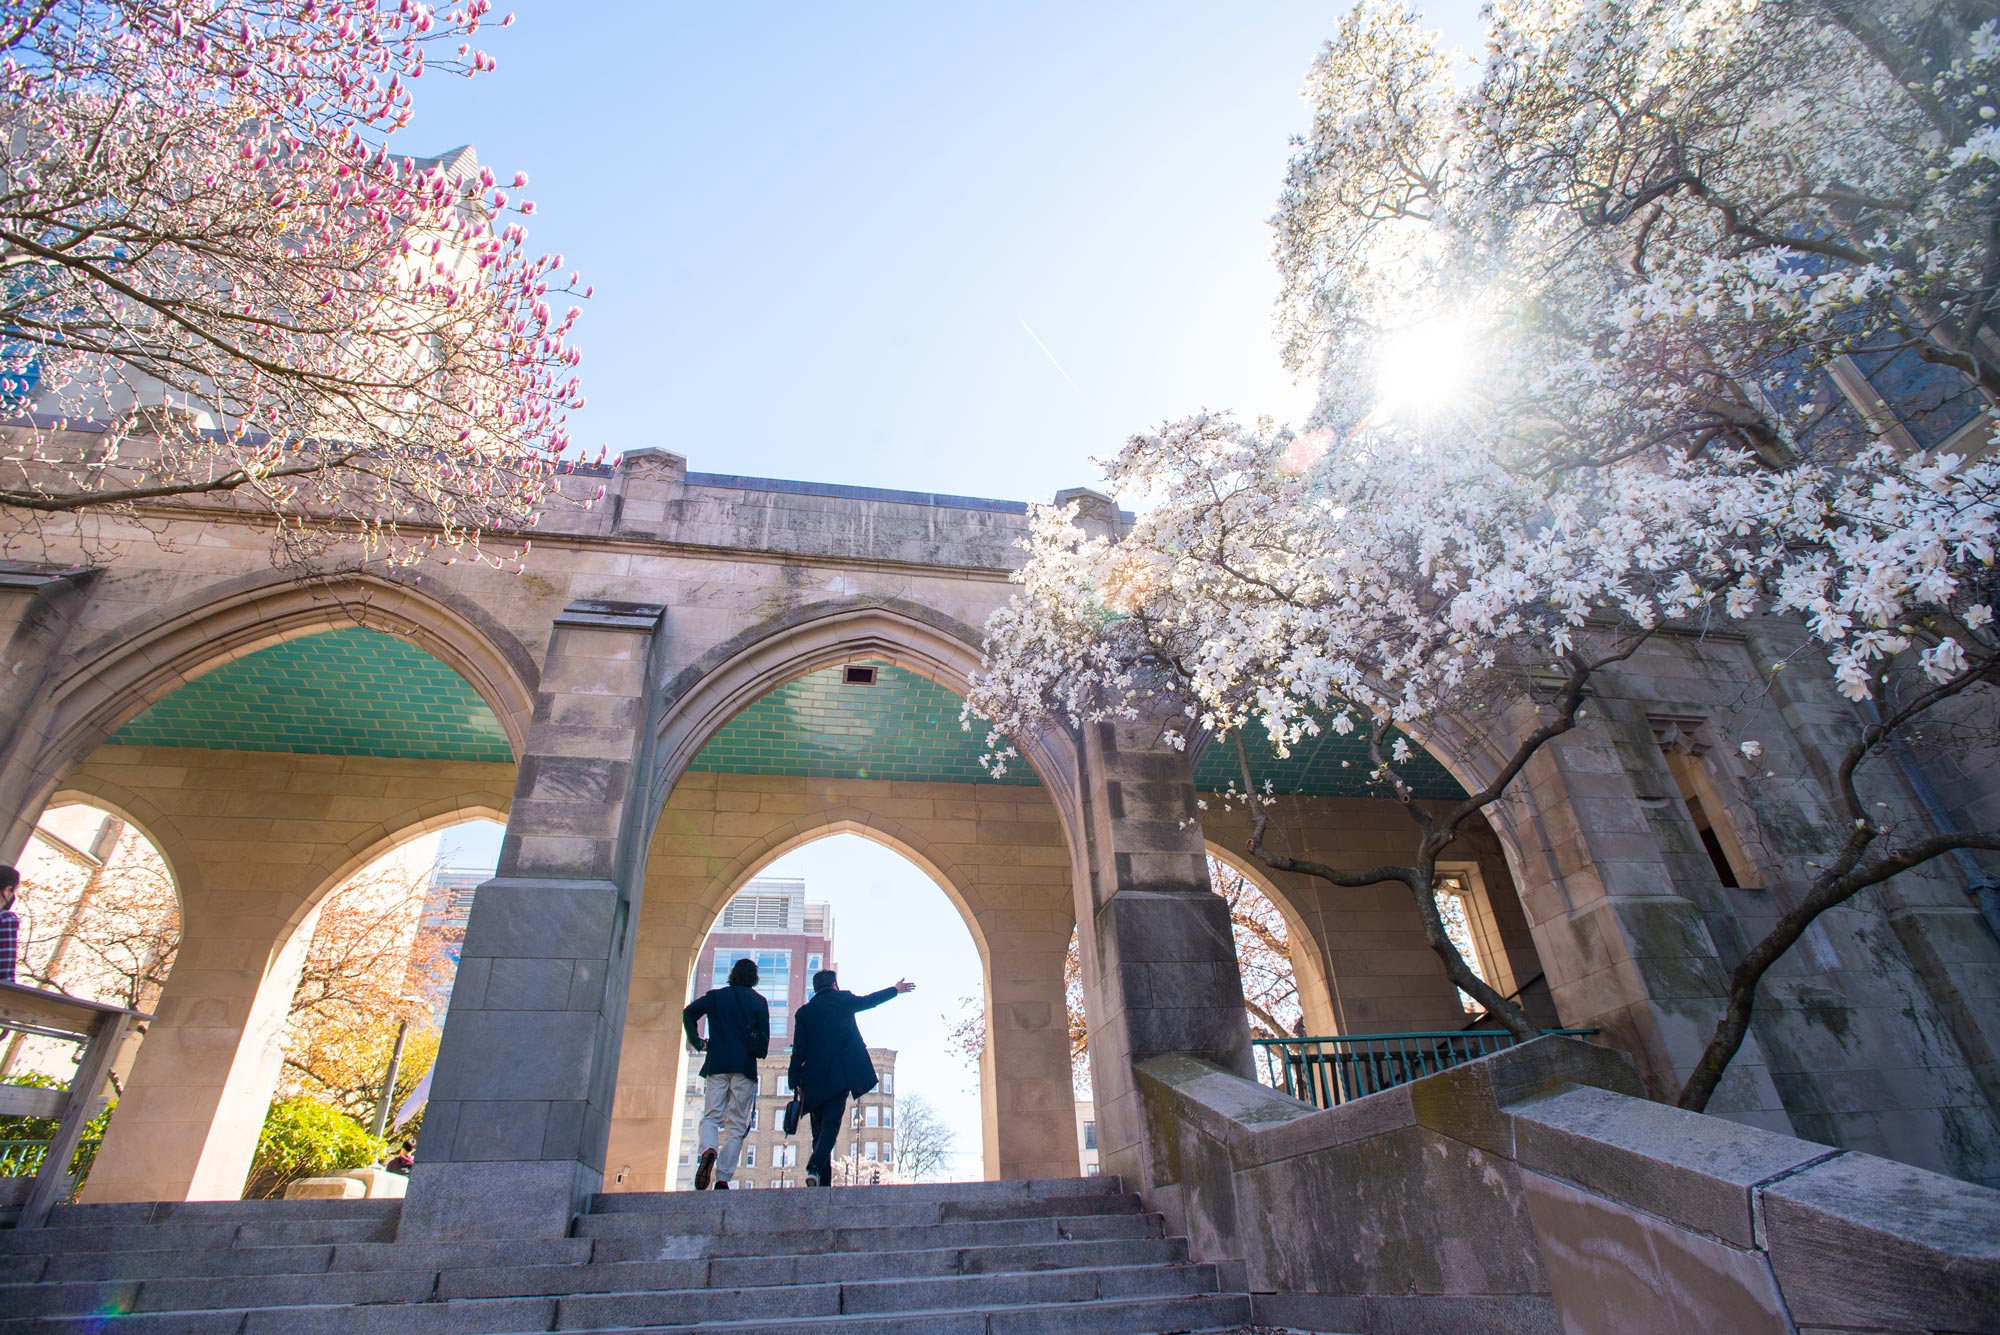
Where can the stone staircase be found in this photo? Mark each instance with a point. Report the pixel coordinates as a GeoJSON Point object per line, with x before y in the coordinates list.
{"type": "Point", "coordinates": [1068, 1257]}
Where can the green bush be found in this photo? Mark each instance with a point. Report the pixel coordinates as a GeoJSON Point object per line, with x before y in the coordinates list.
{"type": "Point", "coordinates": [303, 1137]}
{"type": "Point", "coordinates": [44, 1128]}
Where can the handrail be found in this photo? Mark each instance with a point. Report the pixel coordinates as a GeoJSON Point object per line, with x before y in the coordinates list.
{"type": "Point", "coordinates": [1332, 1069]}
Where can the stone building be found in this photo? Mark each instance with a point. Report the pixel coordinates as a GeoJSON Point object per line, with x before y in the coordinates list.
{"type": "Point", "coordinates": [704, 671]}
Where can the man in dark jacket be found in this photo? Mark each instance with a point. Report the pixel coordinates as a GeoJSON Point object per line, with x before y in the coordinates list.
{"type": "Point", "coordinates": [830, 1062]}
{"type": "Point", "coordinates": [739, 1033]}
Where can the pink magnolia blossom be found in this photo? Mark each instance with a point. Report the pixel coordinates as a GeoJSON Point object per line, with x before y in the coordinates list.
{"type": "Point", "coordinates": [202, 219]}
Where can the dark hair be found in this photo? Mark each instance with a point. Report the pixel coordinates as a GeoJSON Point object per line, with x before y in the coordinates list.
{"type": "Point", "coordinates": [743, 974]}
{"type": "Point", "coordinates": [409, 1145]}
{"type": "Point", "coordinates": [824, 981]}
{"type": "Point", "coordinates": [9, 877]}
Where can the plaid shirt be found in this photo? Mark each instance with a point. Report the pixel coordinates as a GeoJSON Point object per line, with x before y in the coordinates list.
{"type": "Point", "coordinates": [10, 943]}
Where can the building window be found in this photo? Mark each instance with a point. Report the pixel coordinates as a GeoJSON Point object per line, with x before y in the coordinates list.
{"type": "Point", "coordinates": [687, 1155]}
{"type": "Point", "coordinates": [753, 1117]}
{"type": "Point", "coordinates": [889, 1115]}
{"type": "Point", "coordinates": [1090, 1170]}
{"type": "Point", "coordinates": [1090, 1135]}
{"type": "Point", "coordinates": [785, 1156]}
{"type": "Point", "coordinates": [872, 1152]}
{"type": "Point", "coordinates": [749, 1156]}
{"type": "Point", "coordinates": [774, 971]}
{"type": "Point", "coordinates": [1456, 912]}
{"type": "Point", "coordinates": [889, 1083]}
{"type": "Point", "coordinates": [873, 1117]}
{"type": "Point", "coordinates": [814, 963]}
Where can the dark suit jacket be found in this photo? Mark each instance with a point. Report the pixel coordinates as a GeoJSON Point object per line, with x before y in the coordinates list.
{"type": "Point", "coordinates": [828, 1056]}
{"type": "Point", "coordinates": [737, 1034]}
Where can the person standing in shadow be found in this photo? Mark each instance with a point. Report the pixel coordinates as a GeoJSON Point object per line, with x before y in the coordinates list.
{"type": "Point", "coordinates": [830, 1063]}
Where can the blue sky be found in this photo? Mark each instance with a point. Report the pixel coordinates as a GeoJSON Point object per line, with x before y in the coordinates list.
{"type": "Point", "coordinates": [825, 242]}
{"type": "Point", "coordinates": [819, 236]}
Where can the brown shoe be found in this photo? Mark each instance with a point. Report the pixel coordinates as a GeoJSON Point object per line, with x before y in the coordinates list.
{"type": "Point", "coordinates": [704, 1169]}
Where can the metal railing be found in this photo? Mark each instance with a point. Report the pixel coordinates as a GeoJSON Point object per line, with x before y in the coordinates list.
{"type": "Point", "coordinates": [23, 1158]}
{"type": "Point", "coordinates": [1333, 1070]}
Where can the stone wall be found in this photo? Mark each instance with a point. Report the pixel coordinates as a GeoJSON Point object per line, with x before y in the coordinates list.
{"type": "Point", "coordinates": [1533, 1192]}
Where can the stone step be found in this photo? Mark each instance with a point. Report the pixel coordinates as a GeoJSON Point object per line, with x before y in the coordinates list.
{"type": "Point", "coordinates": [1182, 1315]}
{"type": "Point", "coordinates": [219, 1212]}
{"type": "Point", "coordinates": [1150, 1300]}
{"type": "Point", "coordinates": [156, 1263]}
{"type": "Point", "coordinates": [784, 1242]}
{"type": "Point", "coordinates": [877, 1297]}
{"type": "Point", "coordinates": [751, 1272]}
{"type": "Point", "coordinates": [768, 1211]}
{"type": "Point", "coordinates": [253, 1232]}
{"type": "Point", "coordinates": [840, 1198]}
{"type": "Point", "coordinates": [159, 1293]}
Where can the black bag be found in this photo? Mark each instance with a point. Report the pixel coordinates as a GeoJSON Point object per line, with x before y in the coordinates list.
{"type": "Point", "coordinates": [792, 1111]}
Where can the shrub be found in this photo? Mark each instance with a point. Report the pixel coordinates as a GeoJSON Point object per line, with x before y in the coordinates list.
{"type": "Point", "coordinates": [303, 1137]}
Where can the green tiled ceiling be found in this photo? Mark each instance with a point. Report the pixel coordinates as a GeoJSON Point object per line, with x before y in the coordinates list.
{"type": "Point", "coordinates": [906, 727]}
{"type": "Point", "coordinates": [818, 727]}
{"type": "Point", "coordinates": [1331, 766]}
{"type": "Point", "coordinates": [350, 692]}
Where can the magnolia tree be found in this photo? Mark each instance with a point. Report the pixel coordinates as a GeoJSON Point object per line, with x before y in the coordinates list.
{"type": "Point", "coordinates": [1594, 321]}
{"type": "Point", "coordinates": [1653, 227]}
{"type": "Point", "coordinates": [1407, 588]}
{"type": "Point", "coordinates": [212, 262]}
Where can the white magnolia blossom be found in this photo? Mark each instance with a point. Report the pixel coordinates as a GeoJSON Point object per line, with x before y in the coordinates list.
{"type": "Point", "coordinates": [1658, 224]}
{"type": "Point", "coordinates": [1390, 581]}
{"type": "Point", "coordinates": [1664, 314]}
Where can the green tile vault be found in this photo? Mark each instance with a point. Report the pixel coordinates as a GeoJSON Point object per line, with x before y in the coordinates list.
{"type": "Point", "coordinates": [905, 726]}
{"type": "Point", "coordinates": [350, 692]}
{"type": "Point", "coordinates": [817, 726]}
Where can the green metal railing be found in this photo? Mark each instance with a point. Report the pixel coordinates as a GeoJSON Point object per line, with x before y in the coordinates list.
{"type": "Point", "coordinates": [1329, 1071]}
{"type": "Point", "coordinates": [23, 1158]}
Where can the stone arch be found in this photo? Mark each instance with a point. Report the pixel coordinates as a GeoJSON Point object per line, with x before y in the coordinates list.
{"type": "Point", "coordinates": [1013, 925]}
{"type": "Point", "coordinates": [183, 867]}
{"type": "Point", "coordinates": [907, 843]}
{"type": "Point", "coordinates": [697, 703]}
{"type": "Point", "coordinates": [363, 849]}
{"type": "Point", "coordinates": [709, 692]}
{"type": "Point", "coordinates": [1498, 856]}
{"type": "Point", "coordinates": [1317, 984]}
{"type": "Point", "coordinates": [200, 1083]}
{"type": "Point", "coordinates": [876, 828]}
{"type": "Point", "coordinates": [124, 670]}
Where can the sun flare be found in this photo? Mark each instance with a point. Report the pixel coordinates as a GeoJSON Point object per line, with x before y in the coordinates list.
{"type": "Point", "coordinates": [1425, 369]}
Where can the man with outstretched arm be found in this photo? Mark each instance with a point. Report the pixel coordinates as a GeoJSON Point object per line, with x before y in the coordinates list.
{"type": "Point", "coordinates": [739, 1033]}
{"type": "Point", "coordinates": [830, 1063]}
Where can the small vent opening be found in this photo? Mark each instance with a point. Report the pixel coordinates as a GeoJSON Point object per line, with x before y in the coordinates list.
{"type": "Point", "coordinates": [860, 676]}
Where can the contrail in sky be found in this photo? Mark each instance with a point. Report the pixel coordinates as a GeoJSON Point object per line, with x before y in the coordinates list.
{"type": "Point", "coordinates": [1050, 355]}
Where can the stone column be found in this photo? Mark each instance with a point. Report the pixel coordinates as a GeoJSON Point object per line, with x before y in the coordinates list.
{"type": "Point", "coordinates": [520, 1110]}
{"type": "Point", "coordinates": [38, 606]}
{"type": "Point", "coordinates": [1159, 963]}
{"type": "Point", "coordinates": [1624, 951]}
{"type": "Point", "coordinates": [1030, 1119]}
{"type": "Point", "coordinates": [187, 1125]}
